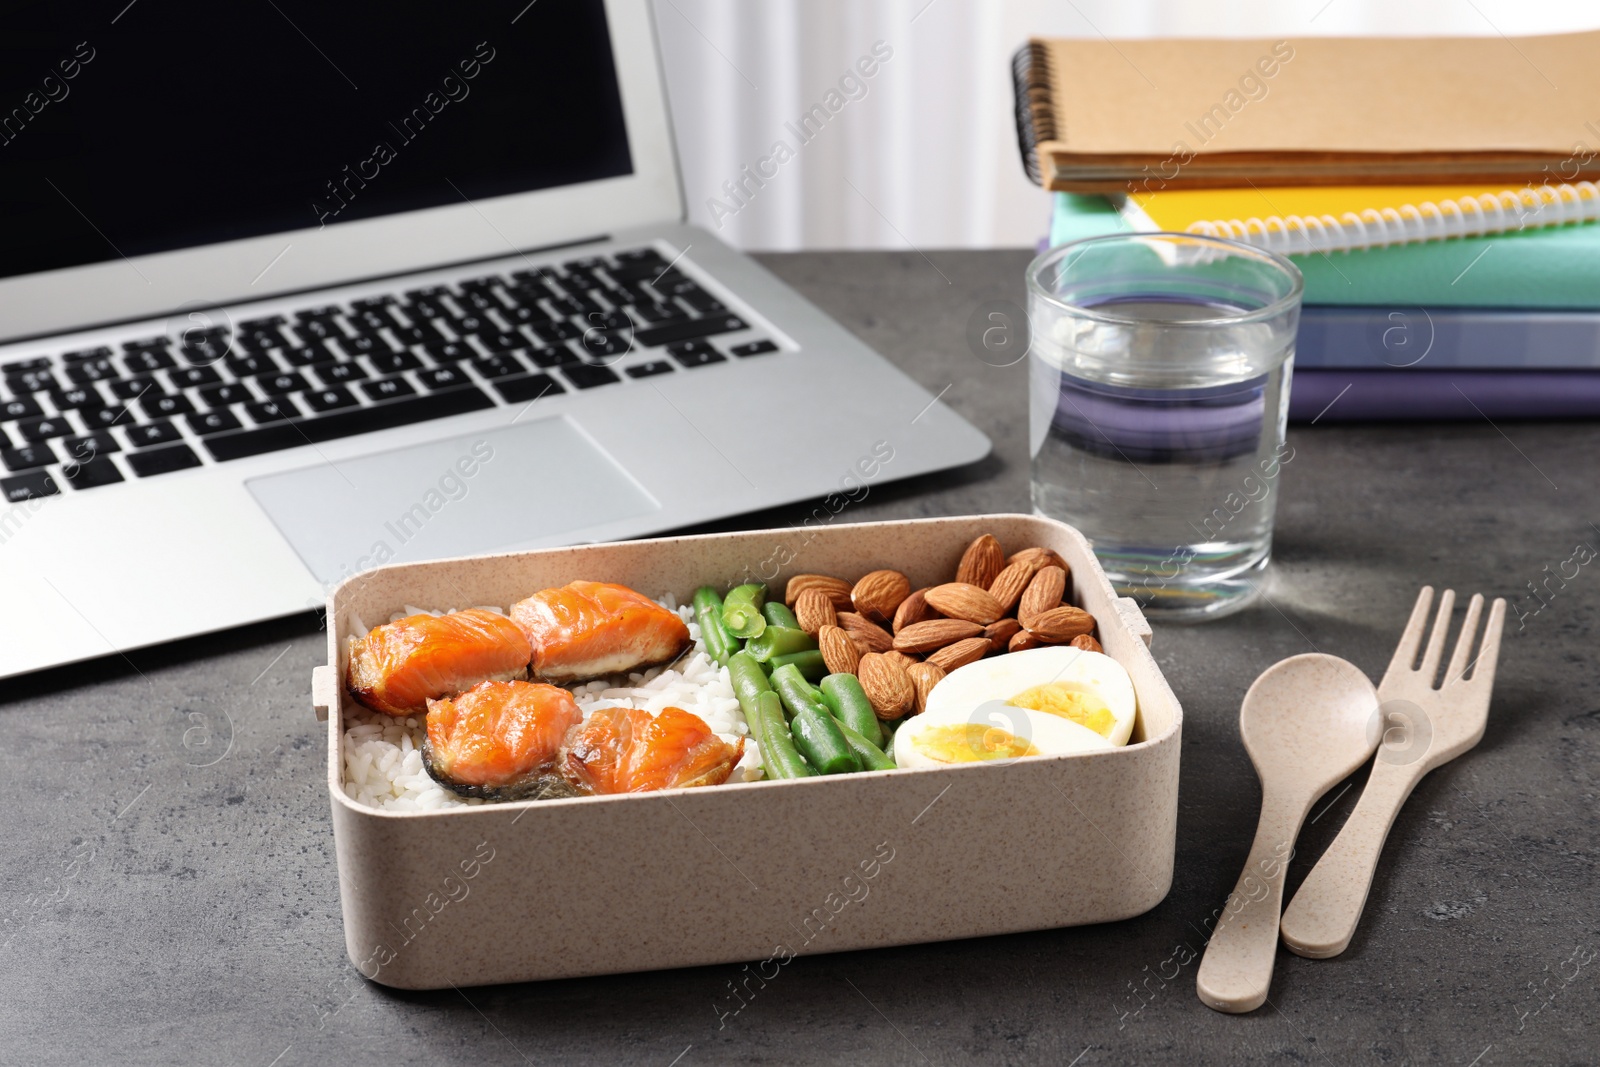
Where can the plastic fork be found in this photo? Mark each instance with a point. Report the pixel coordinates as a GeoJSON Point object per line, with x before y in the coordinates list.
{"type": "Point", "coordinates": [1425, 725]}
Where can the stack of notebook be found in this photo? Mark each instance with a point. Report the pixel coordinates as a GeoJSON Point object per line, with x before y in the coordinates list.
{"type": "Point", "coordinates": [1422, 300]}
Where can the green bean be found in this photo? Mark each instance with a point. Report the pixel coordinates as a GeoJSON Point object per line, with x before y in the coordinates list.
{"type": "Point", "coordinates": [809, 662]}
{"type": "Point", "coordinates": [741, 610]}
{"type": "Point", "coordinates": [778, 614]}
{"type": "Point", "coordinates": [848, 702]}
{"type": "Point", "coordinates": [779, 641]}
{"type": "Point", "coordinates": [815, 733]}
{"type": "Point", "coordinates": [778, 753]}
{"type": "Point", "coordinates": [748, 681]}
{"type": "Point", "coordinates": [720, 644]}
{"type": "Point", "coordinates": [871, 756]}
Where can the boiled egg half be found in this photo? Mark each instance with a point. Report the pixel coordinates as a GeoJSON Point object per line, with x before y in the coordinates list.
{"type": "Point", "coordinates": [1088, 689]}
{"type": "Point", "coordinates": [992, 732]}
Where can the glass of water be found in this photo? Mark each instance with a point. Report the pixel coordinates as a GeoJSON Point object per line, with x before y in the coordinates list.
{"type": "Point", "coordinates": [1159, 388]}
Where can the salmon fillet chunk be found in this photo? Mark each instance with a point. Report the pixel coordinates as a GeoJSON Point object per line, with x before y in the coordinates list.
{"type": "Point", "coordinates": [589, 630]}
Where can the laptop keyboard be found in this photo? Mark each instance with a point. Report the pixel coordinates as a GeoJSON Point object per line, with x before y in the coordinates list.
{"type": "Point", "coordinates": [83, 419]}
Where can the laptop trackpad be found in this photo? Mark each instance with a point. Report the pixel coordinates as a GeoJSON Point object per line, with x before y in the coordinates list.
{"type": "Point", "coordinates": [533, 482]}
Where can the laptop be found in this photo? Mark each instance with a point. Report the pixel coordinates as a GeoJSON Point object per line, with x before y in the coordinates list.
{"type": "Point", "coordinates": [290, 291]}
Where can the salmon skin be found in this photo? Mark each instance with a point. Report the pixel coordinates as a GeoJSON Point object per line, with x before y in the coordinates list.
{"type": "Point", "coordinates": [589, 630]}
{"type": "Point", "coordinates": [626, 750]}
{"type": "Point", "coordinates": [398, 667]}
{"type": "Point", "coordinates": [500, 740]}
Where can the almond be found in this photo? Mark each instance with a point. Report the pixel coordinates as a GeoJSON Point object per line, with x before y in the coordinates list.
{"type": "Point", "coordinates": [878, 594]}
{"type": "Point", "coordinates": [866, 633]}
{"type": "Point", "coordinates": [1086, 642]}
{"type": "Point", "coordinates": [1043, 593]}
{"type": "Point", "coordinates": [1062, 624]}
{"type": "Point", "coordinates": [1000, 632]}
{"type": "Point", "coordinates": [981, 562]}
{"type": "Point", "coordinates": [1040, 557]}
{"type": "Point", "coordinates": [960, 654]}
{"type": "Point", "coordinates": [934, 634]}
{"type": "Point", "coordinates": [913, 609]}
{"type": "Point", "coordinates": [900, 658]}
{"type": "Point", "coordinates": [959, 600]}
{"type": "Point", "coordinates": [1022, 641]}
{"type": "Point", "coordinates": [838, 589]}
{"type": "Point", "coordinates": [839, 652]}
{"type": "Point", "coordinates": [924, 676]}
{"type": "Point", "coordinates": [887, 685]}
{"type": "Point", "coordinates": [814, 609]}
{"type": "Point", "coordinates": [1008, 585]}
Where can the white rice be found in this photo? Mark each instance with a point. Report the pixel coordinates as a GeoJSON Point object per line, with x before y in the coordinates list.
{"type": "Point", "coordinates": [383, 757]}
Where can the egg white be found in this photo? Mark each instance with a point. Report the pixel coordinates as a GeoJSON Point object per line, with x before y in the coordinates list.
{"type": "Point", "coordinates": [1003, 677]}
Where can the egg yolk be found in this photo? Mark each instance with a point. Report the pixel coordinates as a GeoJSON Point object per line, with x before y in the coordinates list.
{"type": "Point", "coordinates": [970, 743]}
{"type": "Point", "coordinates": [1064, 701]}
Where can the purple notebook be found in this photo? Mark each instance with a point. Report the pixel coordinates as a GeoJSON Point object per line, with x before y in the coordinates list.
{"type": "Point", "coordinates": [1330, 395]}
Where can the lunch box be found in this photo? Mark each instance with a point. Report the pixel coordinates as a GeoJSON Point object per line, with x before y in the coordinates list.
{"type": "Point", "coordinates": [757, 871]}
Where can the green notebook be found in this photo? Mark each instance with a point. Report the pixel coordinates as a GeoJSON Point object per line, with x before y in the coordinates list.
{"type": "Point", "coordinates": [1547, 268]}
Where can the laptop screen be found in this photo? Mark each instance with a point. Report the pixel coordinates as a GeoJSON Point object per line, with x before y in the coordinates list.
{"type": "Point", "coordinates": [134, 128]}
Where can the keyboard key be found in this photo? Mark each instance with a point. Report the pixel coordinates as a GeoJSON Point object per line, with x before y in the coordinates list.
{"type": "Point", "coordinates": [659, 313]}
{"type": "Point", "coordinates": [393, 362]}
{"type": "Point", "coordinates": [500, 366]}
{"type": "Point", "coordinates": [553, 357]}
{"type": "Point", "coordinates": [388, 389]}
{"type": "Point", "coordinates": [525, 314]}
{"type": "Point", "coordinates": [91, 473]}
{"type": "Point", "coordinates": [22, 366]}
{"type": "Point", "coordinates": [90, 445]}
{"type": "Point", "coordinates": [471, 324]}
{"type": "Point", "coordinates": [260, 341]}
{"type": "Point", "coordinates": [36, 430]}
{"type": "Point", "coordinates": [279, 384]}
{"type": "Point", "coordinates": [145, 360]}
{"type": "Point", "coordinates": [146, 343]}
{"type": "Point", "coordinates": [374, 303]}
{"type": "Point", "coordinates": [31, 381]}
{"type": "Point", "coordinates": [372, 320]}
{"type": "Point", "coordinates": [163, 460]}
{"type": "Point", "coordinates": [275, 410]}
{"type": "Point", "coordinates": [265, 323]}
{"type": "Point", "coordinates": [651, 369]}
{"type": "Point", "coordinates": [702, 301]}
{"type": "Point", "coordinates": [689, 329]}
{"type": "Point", "coordinates": [91, 370]}
{"type": "Point", "coordinates": [320, 329]}
{"type": "Point", "coordinates": [640, 257]}
{"type": "Point", "coordinates": [598, 344]}
{"type": "Point", "coordinates": [160, 432]}
{"type": "Point", "coordinates": [348, 423]}
{"type": "Point", "coordinates": [587, 377]}
{"type": "Point", "coordinates": [102, 352]}
{"type": "Point", "coordinates": [20, 408]}
{"type": "Point", "coordinates": [328, 399]}
{"type": "Point", "coordinates": [243, 366]}
{"type": "Point", "coordinates": [220, 396]}
{"type": "Point", "coordinates": [695, 354]}
{"type": "Point", "coordinates": [203, 351]}
{"type": "Point", "coordinates": [134, 388]}
{"type": "Point", "coordinates": [160, 407]}
{"type": "Point", "coordinates": [5, 442]}
{"type": "Point", "coordinates": [309, 356]}
{"type": "Point", "coordinates": [449, 351]}
{"type": "Point", "coordinates": [365, 345]}
{"type": "Point", "coordinates": [754, 348]}
{"type": "Point", "coordinates": [212, 422]}
{"type": "Point", "coordinates": [495, 341]}
{"type": "Point", "coordinates": [553, 333]}
{"type": "Point", "coordinates": [101, 418]}
{"type": "Point", "coordinates": [28, 486]}
{"type": "Point", "coordinates": [421, 334]}
{"type": "Point", "coordinates": [26, 457]}
{"type": "Point", "coordinates": [184, 377]}
{"type": "Point", "coordinates": [84, 397]}
{"type": "Point", "coordinates": [527, 388]}
{"type": "Point", "coordinates": [334, 373]}
{"type": "Point", "coordinates": [436, 378]}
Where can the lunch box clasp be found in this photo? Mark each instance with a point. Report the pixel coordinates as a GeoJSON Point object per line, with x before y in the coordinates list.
{"type": "Point", "coordinates": [1133, 618]}
{"type": "Point", "coordinates": [323, 690]}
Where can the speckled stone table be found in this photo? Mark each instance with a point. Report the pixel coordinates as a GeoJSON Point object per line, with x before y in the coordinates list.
{"type": "Point", "coordinates": [169, 890]}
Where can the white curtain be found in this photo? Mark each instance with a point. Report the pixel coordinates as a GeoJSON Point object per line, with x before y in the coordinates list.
{"type": "Point", "coordinates": [923, 152]}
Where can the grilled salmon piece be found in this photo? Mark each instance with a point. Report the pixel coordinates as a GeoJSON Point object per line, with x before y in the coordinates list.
{"type": "Point", "coordinates": [397, 667]}
{"type": "Point", "coordinates": [626, 750]}
{"type": "Point", "coordinates": [500, 740]}
{"type": "Point", "coordinates": [591, 629]}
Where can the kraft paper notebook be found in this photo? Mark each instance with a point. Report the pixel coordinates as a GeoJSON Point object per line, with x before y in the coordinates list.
{"type": "Point", "coordinates": [1127, 116]}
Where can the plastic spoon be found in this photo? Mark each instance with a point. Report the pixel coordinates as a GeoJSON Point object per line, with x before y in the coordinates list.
{"type": "Point", "coordinates": [1305, 723]}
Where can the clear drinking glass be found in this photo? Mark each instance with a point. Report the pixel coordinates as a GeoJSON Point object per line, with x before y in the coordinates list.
{"type": "Point", "coordinates": [1159, 387]}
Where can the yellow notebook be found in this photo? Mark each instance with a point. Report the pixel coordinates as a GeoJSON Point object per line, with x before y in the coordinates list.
{"type": "Point", "coordinates": [1336, 218]}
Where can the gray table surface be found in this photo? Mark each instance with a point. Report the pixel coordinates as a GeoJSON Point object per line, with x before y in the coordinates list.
{"type": "Point", "coordinates": [170, 892]}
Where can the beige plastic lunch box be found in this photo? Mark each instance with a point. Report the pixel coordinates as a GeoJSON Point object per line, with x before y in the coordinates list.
{"type": "Point", "coordinates": [759, 871]}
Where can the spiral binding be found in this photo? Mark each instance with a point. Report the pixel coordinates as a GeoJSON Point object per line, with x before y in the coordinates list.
{"type": "Point", "coordinates": [1534, 206]}
{"type": "Point", "coordinates": [1030, 84]}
